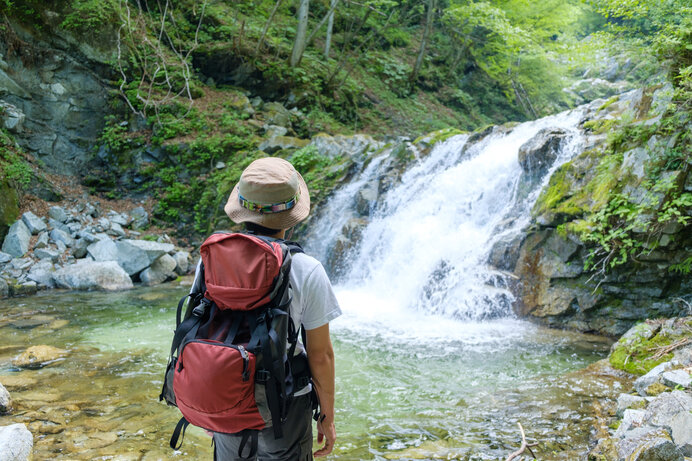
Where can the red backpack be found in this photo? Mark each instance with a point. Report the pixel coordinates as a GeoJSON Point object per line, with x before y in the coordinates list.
{"type": "Point", "coordinates": [232, 367]}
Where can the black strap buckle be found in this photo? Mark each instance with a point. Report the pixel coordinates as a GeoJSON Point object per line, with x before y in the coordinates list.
{"type": "Point", "coordinates": [262, 376]}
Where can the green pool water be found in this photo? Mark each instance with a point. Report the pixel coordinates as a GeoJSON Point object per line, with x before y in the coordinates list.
{"type": "Point", "coordinates": [409, 386]}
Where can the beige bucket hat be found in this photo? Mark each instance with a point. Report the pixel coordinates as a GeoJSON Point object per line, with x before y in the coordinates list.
{"type": "Point", "coordinates": [270, 193]}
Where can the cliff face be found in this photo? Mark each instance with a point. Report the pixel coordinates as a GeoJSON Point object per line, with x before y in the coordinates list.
{"type": "Point", "coordinates": [604, 249]}
{"type": "Point", "coordinates": [53, 88]}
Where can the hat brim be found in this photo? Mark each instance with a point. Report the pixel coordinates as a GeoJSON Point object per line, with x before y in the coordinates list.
{"type": "Point", "coordinates": [279, 221]}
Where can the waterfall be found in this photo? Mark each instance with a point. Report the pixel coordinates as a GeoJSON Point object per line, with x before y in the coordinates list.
{"type": "Point", "coordinates": [424, 250]}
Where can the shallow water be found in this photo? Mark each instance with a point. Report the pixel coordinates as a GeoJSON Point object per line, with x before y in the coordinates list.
{"type": "Point", "coordinates": [403, 392]}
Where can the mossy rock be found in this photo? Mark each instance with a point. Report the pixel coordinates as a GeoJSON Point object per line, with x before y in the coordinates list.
{"type": "Point", "coordinates": [9, 207]}
{"type": "Point", "coordinates": [636, 352]}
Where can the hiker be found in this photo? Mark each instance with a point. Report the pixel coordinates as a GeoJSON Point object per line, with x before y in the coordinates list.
{"type": "Point", "coordinates": [270, 199]}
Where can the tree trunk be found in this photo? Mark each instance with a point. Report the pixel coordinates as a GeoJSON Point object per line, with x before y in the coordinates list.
{"type": "Point", "coordinates": [330, 27]}
{"type": "Point", "coordinates": [301, 33]}
{"type": "Point", "coordinates": [329, 15]}
{"type": "Point", "coordinates": [266, 26]}
{"type": "Point", "coordinates": [423, 43]}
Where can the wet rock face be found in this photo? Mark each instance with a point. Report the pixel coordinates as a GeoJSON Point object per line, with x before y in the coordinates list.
{"type": "Point", "coordinates": [538, 153]}
{"type": "Point", "coordinates": [58, 103]}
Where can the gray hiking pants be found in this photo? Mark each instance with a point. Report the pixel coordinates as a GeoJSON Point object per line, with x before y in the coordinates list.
{"type": "Point", "coordinates": [295, 445]}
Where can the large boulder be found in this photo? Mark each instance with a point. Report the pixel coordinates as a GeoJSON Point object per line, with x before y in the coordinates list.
{"type": "Point", "coordinates": [58, 213]}
{"type": "Point", "coordinates": [33, 223]}
{"type": "Point", "coordinates": [16, 443]}
{"type": "Point", "coordinates": [648, 444]}
{"type": "Point", "coordinates": [132, 258]}
{"type": "Point", "coordinates": [39, 356]}
{"type": "Point", "coordinates": [277, 114]}
{"type": "Point", "coordinates": [17, 240]}
{"type": "Point", "coordinates": [93, 275]}
{"type": "Point", "coordinates": [279, 143]}
{"type": "Point", "coordinates": [154, 250]}
{"type": "Point", "coordinates": [161, 270]}
{"type": "Point", "coordinates": [5, 401]}
{"type": "Point", "coordinates": [103, 250]}
{"type": "Point", "coordinates": [42, 273]}
{"type": "Point", "coordinates": [59, 235]}
{"type": "Point", "coordinates": [538, 153]}
{"type": "Point", "coordinates": [182, 261]}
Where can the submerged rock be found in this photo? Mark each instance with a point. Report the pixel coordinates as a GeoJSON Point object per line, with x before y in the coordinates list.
{"type": "Point", "coordinates": [16, 443]}
{"type": "Point", "coordinates": [93, 275]}
{"type": "Point", "coordinates": [39, 356]}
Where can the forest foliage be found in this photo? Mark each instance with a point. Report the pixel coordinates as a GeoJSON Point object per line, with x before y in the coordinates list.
{"type": "Point", "coordinates": [378, 66]}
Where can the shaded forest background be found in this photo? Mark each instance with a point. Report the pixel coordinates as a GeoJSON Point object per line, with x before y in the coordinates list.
{"type": "Point", "coordinates": [182, 73]}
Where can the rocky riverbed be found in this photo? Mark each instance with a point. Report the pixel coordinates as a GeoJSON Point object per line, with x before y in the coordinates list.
{"type": "Point", "coordinates": [85, 248]}
{"type": "Point", "coordinates": [653, 420]}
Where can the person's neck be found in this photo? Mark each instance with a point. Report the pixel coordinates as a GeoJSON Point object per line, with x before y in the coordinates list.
{"type": "Point", "coordinates": [279, 235]}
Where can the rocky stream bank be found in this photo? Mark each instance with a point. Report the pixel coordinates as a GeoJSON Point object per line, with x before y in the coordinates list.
{"type": "Point", "coordinates": [85, 248]}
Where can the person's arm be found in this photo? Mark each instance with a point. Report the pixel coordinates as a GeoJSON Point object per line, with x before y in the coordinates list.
{"type": "Point", "coordinates": [321, 359]}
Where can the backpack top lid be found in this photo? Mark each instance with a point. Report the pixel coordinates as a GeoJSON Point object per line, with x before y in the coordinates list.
{"type": "Point", "coordinates": [240, 270]}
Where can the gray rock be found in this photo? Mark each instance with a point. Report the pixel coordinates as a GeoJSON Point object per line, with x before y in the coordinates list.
{"type": "Point", "coordinates": [649, 444]}
{"type": "Point", "coordinates": [21, 263]}
{"type": "Point", "coordinates": [104, 224]}
{"type": "Point", "coordinates": [131, 258]}
{"type": "Point", "coordinates": [355, 146]}
{"type": "Point", "coordinates": [182, 262]}
{"type": "Point", "coordinates": [17, 240]}
{"type": "Point", "coordinates": [16, 443]}
{"type": "Point", "coordinates": [5, 258]}
{"type": "Point", "coordinates": [366, 198]}
{"type": "Point", "coordinates": [5, 401]}
{"type": "Point", "coordinates": [61, 246]}
{"type": "Point", "coordinates": [47, 253]}
{"type": "Point", "coordinates": [88, 275]}
{"type": "Point", "coordinates": [279, 143]}
{"type": "Point", "coordinates": [42, 274]}
{"type": "Point", "coordinates": [161, 270]}
{"type": "Point", "coordinates": [42, 241]}
{"type": "Point", "coordinates": [627, 401]}
{"type": "Point", "coordinates": [58, 235]}
{"type": "Point", "coordinates": [119, 218]}
{"type": "Point", "coordinates": [103, 250]}
{"type": "Point", "coordinates": [116, 230]}
{"type": "Point", "coordinates": [663, 408]}
{"type": "Point", "coordinates": [140, 218]}
{"type": "Point", "coordinates": [681, 432]}
{"type": "Point", "coordinates": [676, 378]}
{"type": "Point", "coordinates": [4, 288]}
{"type": "Point", "coordinates": [271, 131]}
{"type": "Point", "coordinates": [12, 116]}
{"type": "Point", "coordinates": [631, 419]}
{"type": "Point", "coordinates": [79, 248]}
{"type": "Point", "coordinates": [642, 383]}
{"type": "Point", "coordinates": [33, 223]}
{"type": "Point", "coordinates": [55, 224]}
{"type": "Point", "coordinates": [58, 213]}
{"type": "Point", "coordinates": [538, 153]}
{"type": "Point", "coordinates": [87, 236]}
{"type": "Point", "coordinates": [153, 249]}
{"type": "Point", "coordinates": [277, 114]}
{"type": "Point", "coordinates": [74, 227]}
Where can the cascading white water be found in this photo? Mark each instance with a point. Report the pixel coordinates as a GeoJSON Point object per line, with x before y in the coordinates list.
{"type": "Point", "coordinates": [423, 256]}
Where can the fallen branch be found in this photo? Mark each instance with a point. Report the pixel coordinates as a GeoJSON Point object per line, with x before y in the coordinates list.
{"type": "Point", "coordinates": [524, 446]}
{"type": "Point", "coordinates": [663, 350]}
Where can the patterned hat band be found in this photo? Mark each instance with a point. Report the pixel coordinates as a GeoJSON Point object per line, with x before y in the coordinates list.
{"type": "Point", "coordinates": [268, 209]}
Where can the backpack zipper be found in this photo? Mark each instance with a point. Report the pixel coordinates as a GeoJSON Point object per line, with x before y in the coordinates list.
{"type": "Point", "coordinates": [243, 354]}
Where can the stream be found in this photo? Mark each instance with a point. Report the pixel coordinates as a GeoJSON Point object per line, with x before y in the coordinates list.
{"type": "Point", "coordinates": [431, 362]}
